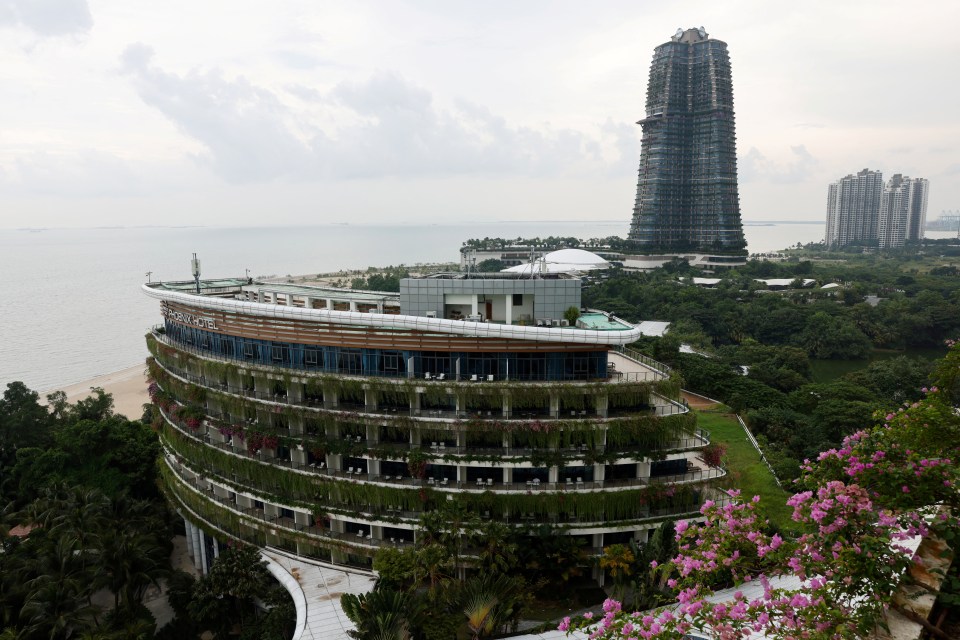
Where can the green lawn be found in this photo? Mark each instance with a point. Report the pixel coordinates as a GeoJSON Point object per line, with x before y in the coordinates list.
{"type": "Point", "coordinates": [746, 470]}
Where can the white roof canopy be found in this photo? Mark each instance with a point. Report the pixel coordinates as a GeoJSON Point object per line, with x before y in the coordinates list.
{"type": "Point", "coordinates": [562, 261]}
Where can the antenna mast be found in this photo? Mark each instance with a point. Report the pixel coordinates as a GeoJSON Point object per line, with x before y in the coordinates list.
{"type": "Point", "coordinates": [195, 268]}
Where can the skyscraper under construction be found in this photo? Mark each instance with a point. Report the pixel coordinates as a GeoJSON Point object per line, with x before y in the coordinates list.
{"type": "Point", "coordinates": [687, 198]}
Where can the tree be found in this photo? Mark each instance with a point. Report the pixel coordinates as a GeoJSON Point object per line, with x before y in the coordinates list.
{"type": "Point", "coordinates": [24, 422]}
{"type": "Point", "coordinates": [490, 602]}
{"type": "Point", "coordinates": [856, 506]}
{"type": "Point", "coordinates": [382, 614]}
{"type": "Point", "coordinates": [226, 595]}
{"type": "Point", "coordinates": [490, 265]}
{"type": "Point", "coordinates": [617, 560]}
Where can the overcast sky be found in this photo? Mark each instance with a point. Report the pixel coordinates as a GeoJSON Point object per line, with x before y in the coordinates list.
{"type": "Point", "coordinates": [249, 113]}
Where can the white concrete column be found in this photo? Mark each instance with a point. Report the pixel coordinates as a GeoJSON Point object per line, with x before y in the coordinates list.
{"type": "Point", "coordinates": [329, 304]}
{"type": "Point", "coordinates": [353, 305]}
{"type": "Point", "coordinates": [299, 456]}
{"type": "Point", "coordinates": [197, 549]}
{"type": "Point", "coordinates": [554, 474]}
{"type": "Point", "coordinates": [603, 404]}
{"type": "Point", "coordinates": [216, 548]}
{"type": "Point", "coordinates": [554, 405]}
{"type": "Point", "coordinates": [370, 400]}
{"type": "Point", "coordinates": [204, 563]}
{"type": "Point", "coordinates": [475, 304]}
{"type": "Point", "coordinates": [188, 534]}
{"type": "Point", "coordinates": [289, 299]}
{"type": "Point", "coordinates": [643, 470]}
{"type": "Point", "coordinates": [308, 302]}
{"type": "Point", "coordinates": [295, 391]}
{"type": "Point", "coordinates": [508, 306]}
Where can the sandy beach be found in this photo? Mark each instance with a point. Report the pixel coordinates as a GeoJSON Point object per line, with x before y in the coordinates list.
{"type": "Point", "coordinates": [128, 386]}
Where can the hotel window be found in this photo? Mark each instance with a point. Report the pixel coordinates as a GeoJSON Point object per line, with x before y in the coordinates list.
{"type": "Point", "coordinates": [348, 361]}
{"type": "Point", "coordinates": [518, 299]}
{"type": "Point", "coordinates": [251, 351]}
{"type": "Point", "coordinates": [313, 357]}
{"type": "Point", "coordinates": [390, 362]}
{"type": "Point", "coordinates": [278, 352]}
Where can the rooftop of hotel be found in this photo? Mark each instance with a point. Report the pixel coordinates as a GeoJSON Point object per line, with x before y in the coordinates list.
{"type": "Point", "coordinates": [458, 303]}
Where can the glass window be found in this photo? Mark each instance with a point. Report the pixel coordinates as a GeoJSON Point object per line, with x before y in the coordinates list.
{"type": "Point", "coordinates": [348, 361]}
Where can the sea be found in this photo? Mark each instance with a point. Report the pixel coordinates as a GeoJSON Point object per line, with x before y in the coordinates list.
{"type": "Point", "coordinates": [72, 308]}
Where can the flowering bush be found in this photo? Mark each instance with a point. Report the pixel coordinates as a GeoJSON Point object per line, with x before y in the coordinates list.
{"type": "Point", "coordinates": [231, 430]}
{"type": "Point", "coordinates": [714, 453]}
{"type": "Point", "coordinates": [857, 506]}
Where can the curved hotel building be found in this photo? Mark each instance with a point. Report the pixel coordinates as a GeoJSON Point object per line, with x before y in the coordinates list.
{"type": "Point", "coordinates": [327, 422]}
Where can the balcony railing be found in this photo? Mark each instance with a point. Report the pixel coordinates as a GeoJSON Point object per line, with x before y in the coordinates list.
{"type": "Point", "coordinates": [375, 515]}
{"type": "Point", "coordinates": [574, 483]}
{"type": "Point", "coordinates": [661, 410]}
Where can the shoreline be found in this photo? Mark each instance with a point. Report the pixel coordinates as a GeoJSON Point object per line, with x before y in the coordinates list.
{"type": "Point", "coordinates": [127, 386]}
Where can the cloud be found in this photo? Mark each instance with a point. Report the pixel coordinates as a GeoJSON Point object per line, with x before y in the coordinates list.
{"type": "Point", "coordinates": [757, 167]}
{"type": "Point", "coordinates": [245, 128]}
{"type": "Point", "coordinates": [392, 128]}
{"type": "Point", "coordinates": [84, 173]}
{"type": "Point", "coordinates": [47, 18]}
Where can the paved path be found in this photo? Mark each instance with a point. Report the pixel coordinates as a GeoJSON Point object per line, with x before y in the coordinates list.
{"type": "Point", "coordinates": [316, 591]}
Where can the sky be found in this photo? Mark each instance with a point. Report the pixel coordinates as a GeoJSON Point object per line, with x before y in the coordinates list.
{"type": "Point", "coordinates": [247, 113]}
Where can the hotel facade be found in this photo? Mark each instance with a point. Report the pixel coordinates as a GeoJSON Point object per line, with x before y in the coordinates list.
{"type": "Point", "coordinates": [326, 422]}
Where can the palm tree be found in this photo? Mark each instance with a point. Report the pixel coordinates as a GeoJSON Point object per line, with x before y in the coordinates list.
{"type": "Point", "coordinates": [490, 602]}
{"type": "Point", "coordinates": [132, 555]}
{"type": "Point", "coordinates": [57, 604]}
{"type": "Point", "coordinates": [617, 560]}
{"type": "Point", "coordinates": [383, 614]}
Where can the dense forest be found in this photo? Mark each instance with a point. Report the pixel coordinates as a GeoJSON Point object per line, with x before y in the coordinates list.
{"type": "Point", "coordinates": [755, 346]}
{"type": "Point", "coordinates": [85, 534]}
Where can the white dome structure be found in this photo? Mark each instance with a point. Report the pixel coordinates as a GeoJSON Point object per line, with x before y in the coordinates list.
{"type": "Point", "coordinates": [563, 261]}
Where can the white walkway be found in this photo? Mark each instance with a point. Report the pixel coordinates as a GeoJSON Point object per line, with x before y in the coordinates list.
{"type": "Point", "coordinates": [316, 591]}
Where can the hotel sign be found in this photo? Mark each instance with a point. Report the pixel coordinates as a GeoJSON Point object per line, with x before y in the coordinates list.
{"type": "Point", "coordinates": [188, 318]}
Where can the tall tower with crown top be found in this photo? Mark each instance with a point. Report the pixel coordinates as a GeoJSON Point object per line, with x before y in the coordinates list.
{"type": "Point", "coordinates": [687, 198]}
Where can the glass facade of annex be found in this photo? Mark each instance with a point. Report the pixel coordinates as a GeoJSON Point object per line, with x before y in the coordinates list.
{"type": "Point", "coordinates": [532, 366]}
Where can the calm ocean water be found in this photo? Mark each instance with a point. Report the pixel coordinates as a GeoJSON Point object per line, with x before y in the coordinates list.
{"type": "Point", "coordinates": [70, 300]}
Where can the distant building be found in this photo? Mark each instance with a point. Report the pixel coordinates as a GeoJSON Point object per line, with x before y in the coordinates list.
{"type": "Point", "coordinates": [687, 198]}
{"type": "Point", "coordinates": [853, 209]}
{"type": "Point", "coordinates": [903, 211]}
{"type": "Point", "coordinates": [917, 217]}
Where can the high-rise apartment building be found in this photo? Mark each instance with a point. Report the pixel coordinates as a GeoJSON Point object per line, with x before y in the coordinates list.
{"type": "Point", "coordinates": [862, 210]}
{"type": "Point", "coordinates": [917, 212]}
{"type": "Point", "coordinates": [894, 205]}
{"type": "Point", "coordinates": [903, 210]}
{"type": "Point", "coordinates": [853, 209]}
{"type": "Point", "coordinates": [687, 198]}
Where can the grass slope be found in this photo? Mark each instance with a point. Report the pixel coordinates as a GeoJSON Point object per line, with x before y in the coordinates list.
{"type": "Point", "coordinates": [747, 471]}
